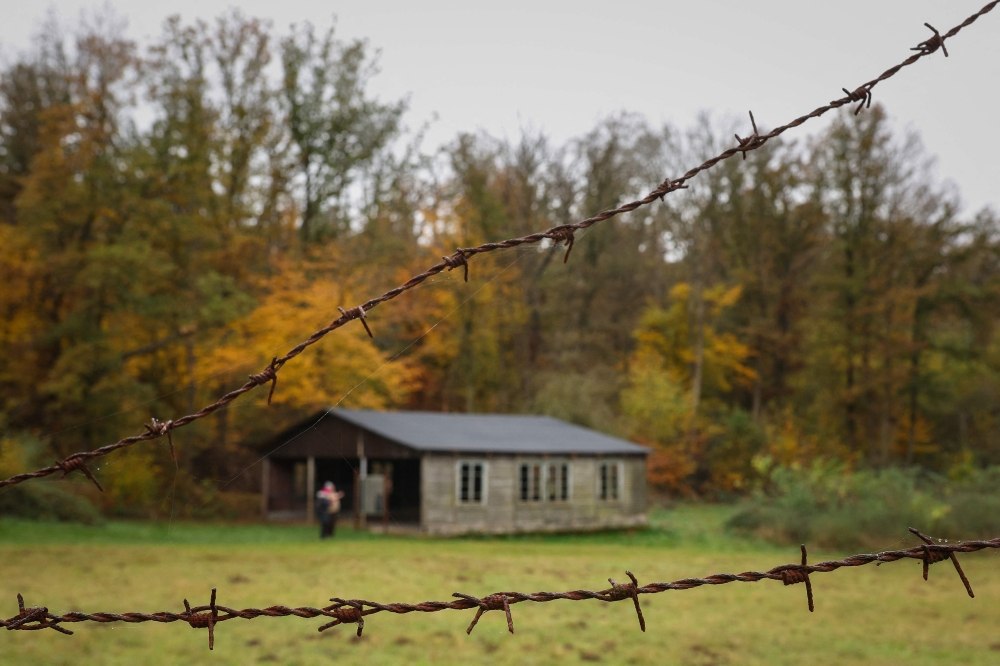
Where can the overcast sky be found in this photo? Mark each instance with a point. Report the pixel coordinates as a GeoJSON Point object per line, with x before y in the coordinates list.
{"type": "Point", "coordinates": [560, 66]}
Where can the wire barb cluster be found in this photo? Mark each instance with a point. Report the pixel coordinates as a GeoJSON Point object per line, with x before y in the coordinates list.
{"type": "Point", "coordinates": [931, 44]}
{"type": "Point", "coordinates": [751, 142]}
{"type": "Point", "coordinates": [562, 233]}
{"type": "Point", "coordinates": [455, 260]}
{"type": "Point", "coordinates": [793, 576]}
{"type": "Point", "coordinates": [354, 611]}
{"type": "Point", "coordinates": [77, 461]}
{"type": "Point", "coordinates": [863, 95]}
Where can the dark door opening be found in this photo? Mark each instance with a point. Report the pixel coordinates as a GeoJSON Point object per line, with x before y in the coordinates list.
{"type": "Point", "coordinates": [341, 472]}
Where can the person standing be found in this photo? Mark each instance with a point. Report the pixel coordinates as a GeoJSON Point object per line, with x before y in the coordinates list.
{"type": "Point", "coordinates": [327, 508]}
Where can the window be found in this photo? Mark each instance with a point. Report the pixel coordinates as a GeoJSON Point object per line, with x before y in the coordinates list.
{"type": "Point", "coordinates": [558, 482]}
{"type": "Point", "coordinates": [610, 481]}
{"type": "Point", "coordinates": [471, 482]}
{"type": "Point", "coordinates": [544, 481]}
{"type": "Point", "coordinates": [531, 483]}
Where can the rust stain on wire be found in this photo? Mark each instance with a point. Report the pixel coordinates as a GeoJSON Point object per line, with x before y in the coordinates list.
{"type": "Point", "coordinates": [563, 233]}
{"type": "Point", "coordinates": [354, 611]}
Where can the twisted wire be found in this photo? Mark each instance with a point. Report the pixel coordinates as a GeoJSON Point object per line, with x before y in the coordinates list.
{"type": "Point", "coordinates": [354, 611]}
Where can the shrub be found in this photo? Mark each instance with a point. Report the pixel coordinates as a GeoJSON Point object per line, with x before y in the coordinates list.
{"type": "Point", "coordinates": [827, 505]}
{"type": "Point", "coordinates": [38, 500]}
{"type": "Point", "coordinates": [44, 500]}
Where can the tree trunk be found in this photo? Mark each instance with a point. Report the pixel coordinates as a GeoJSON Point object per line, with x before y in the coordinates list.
{"type": "Point", "coordinates": [307, 212]}
{"type": "Point", "coordinates": [852, 435]}
{"type": "Point", "coordinates": [757, 387]}
{"type": "Point", "coordinates": [699, 357]}
{"type": "Point", "coordinates": [914, 388]}
{"type": "Point", "coordinates": [219, 456]}
{"type": "Point", "coordinates": [193, 388]}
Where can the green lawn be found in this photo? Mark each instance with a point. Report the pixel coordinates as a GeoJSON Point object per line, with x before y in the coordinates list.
{"type": "Point", "coordinates": [885, 615]}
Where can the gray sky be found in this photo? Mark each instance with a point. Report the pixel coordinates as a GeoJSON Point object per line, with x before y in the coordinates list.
{"type": "Point", "coordinates": [559, 66]}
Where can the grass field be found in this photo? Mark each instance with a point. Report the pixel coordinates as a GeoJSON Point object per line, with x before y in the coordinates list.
{"type": "Point", "coordinates": [884, 615]}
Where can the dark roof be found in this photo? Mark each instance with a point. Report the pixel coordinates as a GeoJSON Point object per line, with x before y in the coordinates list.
{"type": "Point", "coordinates": [487, 433]}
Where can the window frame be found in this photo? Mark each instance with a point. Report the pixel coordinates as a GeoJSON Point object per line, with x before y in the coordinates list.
{"type": "Point", "coordinates": [531, 490]}
{"type": "Point", "coordinates": [604, 487]}
{"type": "Point", "coordinates": [485, 476]}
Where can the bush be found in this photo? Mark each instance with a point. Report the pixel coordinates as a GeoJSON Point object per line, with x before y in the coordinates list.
{"type": "Point", "coordinates": [37, 500]}
{"type": "Point", "coordinates": [827, 505]}
{"type": "Point", "coordinates": [44, 500]}
{"type": "Point", "coordinates": [971, 507]}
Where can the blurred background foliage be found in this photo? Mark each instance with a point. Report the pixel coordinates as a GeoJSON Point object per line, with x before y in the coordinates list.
{"type": "Point", "coordinates": [827, 505]}
{"type": "Point", "coordinates": [814, 324]}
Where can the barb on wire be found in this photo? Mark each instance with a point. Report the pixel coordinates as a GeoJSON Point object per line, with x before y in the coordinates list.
{"type": "Point", "coordinates": [932, 44]}
{"type": "Point", "coordinates": [77, 462]}
{"type": "Point", "coordinates": [939, 556]}
{"type": "Point", "coordinates": [198, 618]}
{"type": "Point", "coordinates": [160, 429]}
{"type": "Point", "coordinates": [358, 313]}
{"type": "Point", "coordinates": [668, 186]}
{"type": "Point", "coordinates": [268, 374]}
{"type": "Point", "coordinates": [562, 233]}
{"type": "Point", "coordinates": [621, 591]}
{"type": "Point", "coordinates": [488, 603]}
{"type": "Point", "coordinates": [354, 611]}
{"type": "Point", "coordinates": [346, 612]}
{"type": "Point", "coordinates": [752, 142]}
{"type": "Point", "coordinates": [455, 260]}
{"type": "Point", "coordinates": [862, 95]}
{"type": "Point", "coordinates": [793, 576]}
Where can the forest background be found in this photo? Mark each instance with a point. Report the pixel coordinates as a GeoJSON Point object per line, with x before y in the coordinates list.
{"type": "Point", "coordinates": [173, 214]}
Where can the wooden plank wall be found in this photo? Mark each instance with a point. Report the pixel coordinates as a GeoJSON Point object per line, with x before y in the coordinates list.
{"type": "Point", "coordinates": [504, 512]}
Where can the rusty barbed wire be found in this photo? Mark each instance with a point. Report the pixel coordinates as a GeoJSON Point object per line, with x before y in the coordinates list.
{"type": "Point", "coordinates": [354, 611]}
{"type": "Point", "coordinates": [559, 234]}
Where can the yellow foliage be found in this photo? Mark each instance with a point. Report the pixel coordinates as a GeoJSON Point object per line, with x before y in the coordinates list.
{"type": "Point", "coordinates": [670, 334]}
{"type": "Point", "coordinates": [132, 481]}
{"type": "Point", "coordinates": [654, 400]}
{"type": "Point", "coordinates": [14, 456]}
{"type": "Point", "coordinates": [658, 398]}
{"type": "Point", "coordinates": [345, 367]}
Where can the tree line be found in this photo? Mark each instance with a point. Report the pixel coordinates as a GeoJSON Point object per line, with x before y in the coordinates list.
{"type": "Point", "coordinates": [173, 214]}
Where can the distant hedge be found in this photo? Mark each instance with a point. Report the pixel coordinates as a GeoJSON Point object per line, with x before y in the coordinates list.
{"type": "Point", "coordinates": [826, 505]}
{"type": "Point", "coordinates": [44, 500]}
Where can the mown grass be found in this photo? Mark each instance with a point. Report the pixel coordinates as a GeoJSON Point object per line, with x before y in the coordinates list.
{"type": "Point", "coordinates": [885, 615]}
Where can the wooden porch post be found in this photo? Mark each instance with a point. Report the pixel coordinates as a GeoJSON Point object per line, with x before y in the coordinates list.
{"type": "Point", "coordinates": [310, 487]}
{"type": "Point", "coordinates": [265, 487]}
{"type": "Point", "coordinates": [357, 500]}
{"type": "Point", "coordinates": [386, 490]}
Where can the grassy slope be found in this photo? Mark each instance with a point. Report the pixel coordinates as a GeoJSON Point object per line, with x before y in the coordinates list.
{"type": "Point", "coordinates": [883, 615]}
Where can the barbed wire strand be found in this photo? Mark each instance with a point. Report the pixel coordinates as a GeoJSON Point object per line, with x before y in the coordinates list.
{"type": "Point", "coordinates": [354, 611]}
{"type": "Point", "coordinates": [460, 258]}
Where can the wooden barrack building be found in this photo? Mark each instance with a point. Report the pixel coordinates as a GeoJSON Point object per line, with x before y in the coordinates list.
{"type": "Point", "coordinates": [449, 473]}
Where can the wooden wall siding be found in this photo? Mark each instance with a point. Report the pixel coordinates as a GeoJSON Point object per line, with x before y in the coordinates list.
{"type": "Point", "coordinates": [334, 438]}
{"type": "Point", "coordinates": [280, 486]}
{"type": "Point", "coordinates": [504, 511]}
